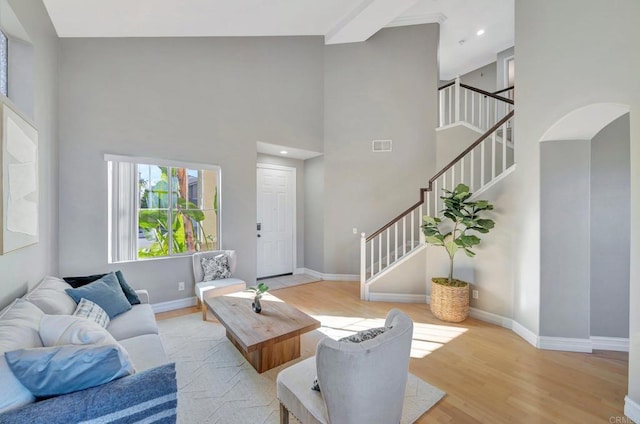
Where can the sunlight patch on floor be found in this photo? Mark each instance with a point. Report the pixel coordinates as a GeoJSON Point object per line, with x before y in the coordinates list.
{"type": "Point", "coordinates": [429, 337]}
{"type": "Point", "coordinates": [426, 337]}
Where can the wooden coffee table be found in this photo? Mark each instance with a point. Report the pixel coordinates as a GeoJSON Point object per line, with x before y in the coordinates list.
{"type": "Point", "coordinates": [267, 339]}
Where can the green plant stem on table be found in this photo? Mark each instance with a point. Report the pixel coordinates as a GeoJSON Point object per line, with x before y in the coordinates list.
{"type": "Point", "coordinates": [258, 291]}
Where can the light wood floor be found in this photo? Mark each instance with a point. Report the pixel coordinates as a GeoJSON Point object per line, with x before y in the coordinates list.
{"type": "Point", "coordinates": [489, 373]}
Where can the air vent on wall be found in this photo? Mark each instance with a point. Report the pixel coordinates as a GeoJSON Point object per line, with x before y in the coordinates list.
{"type": "Point", "coordinates": [380, 146]}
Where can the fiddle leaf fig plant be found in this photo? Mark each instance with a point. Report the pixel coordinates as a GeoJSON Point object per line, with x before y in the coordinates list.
{"type": "Point", "coordinates": [461, 218]}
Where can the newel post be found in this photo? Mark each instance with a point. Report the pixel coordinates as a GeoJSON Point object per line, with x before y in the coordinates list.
{"type": "Point", "coordinates": [456, 101]}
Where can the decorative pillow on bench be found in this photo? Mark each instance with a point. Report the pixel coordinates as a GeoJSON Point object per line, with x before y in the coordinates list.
{"type": "Point", "coordinates": [358, 337]}
{"type": "Point", "coordinates": [215, 268]}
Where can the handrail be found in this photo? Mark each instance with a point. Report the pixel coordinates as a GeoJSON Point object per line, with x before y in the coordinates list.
{"type": "Point", "coordinates": [399, 217]}
{"type": "Point", "coordinates": [481, 91]}
{"type": "Point", "coordinates": [504, 89]}
{"type": "Point", "coordinates": [471, 147]}
{"type": "Point", "coordinates": [441, 172]}
{"type": "Point", "coordinates": [449, 84]}
{"type": "Point", "coordinates": [486, 93]}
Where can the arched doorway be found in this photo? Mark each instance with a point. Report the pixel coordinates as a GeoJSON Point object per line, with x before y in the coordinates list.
{"type": "Point", "coordinates": [585, 223]}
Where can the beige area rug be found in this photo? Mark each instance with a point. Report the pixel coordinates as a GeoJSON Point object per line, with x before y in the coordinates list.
{"type": "Point", "coordinates": [217, 385]}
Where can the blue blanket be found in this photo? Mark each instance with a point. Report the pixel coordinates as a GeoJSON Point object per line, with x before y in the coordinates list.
{"type": "Point", "coordinates": [149, 397]}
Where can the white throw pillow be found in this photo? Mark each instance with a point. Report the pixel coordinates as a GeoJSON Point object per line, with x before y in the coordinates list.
{"type": "Point", "coordinates": [50, 296]}
{"type": "Point", "coordinates": [19, 326]}
{"type": "Point", "coordinates": [19, 323]}
{"type": "Point", "coordinates": [93, 312]}
{"type": "Point", "coordinates": [58, 330]}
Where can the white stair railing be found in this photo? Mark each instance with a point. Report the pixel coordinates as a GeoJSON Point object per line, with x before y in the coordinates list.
{"type": "Point", "coordinates": [462, 103]}
{"type": "Point", "coordinates": [477, 166]}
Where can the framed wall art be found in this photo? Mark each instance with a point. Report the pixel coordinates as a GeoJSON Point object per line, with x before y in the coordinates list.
{"type": "Point", "coordinates": [19, 180]}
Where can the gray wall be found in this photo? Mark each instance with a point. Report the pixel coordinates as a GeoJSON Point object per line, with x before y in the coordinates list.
{"type": "Point", "coordinates": [610, 230]}
{"type": "Point", "coordinates": [483, 78]}
{"type": "Point", "coordinates": [314, 206]}
{"type": "Point", "coordinates": [557, 74]}
{"type": "Point", "coordinates": [300, 185]}
{"type": "Point", "coordinates": [585, 233]}
{"type": "Point", "coordinates": [213, 99]}
{"type": "Point", "coordinates": [452, 141]}
{"type": "Point", "coordinates": [564, 262]}
{"type": "Point", "coordinates": [384, 88]}
{"type": "Point", "coordinates": [189, 99]}
{"type": "Point", "coordinates": [24, 268]}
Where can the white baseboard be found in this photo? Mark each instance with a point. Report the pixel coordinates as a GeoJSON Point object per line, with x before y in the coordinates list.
{"type": "Point", "coordinates": [329, 277]}
{"type": "Point", "coordinates": [522, 331]}
{"type": "Point", "coordinates": [631, 409]}
{"type": "Point", "coordinates": [491, 318]}
{"type": "Point", "coordinates": [565, 344]}
{"type": "Point", "coordinates": [396, 297]}
{"type": "Point", "coordinates": [298, 271]}
{"type": "Point", "coordinates": [174, 304]}
{"type": "Point", "coordinates": [341, 277]}
{"type": "Point", "coordinates": [618, 344]}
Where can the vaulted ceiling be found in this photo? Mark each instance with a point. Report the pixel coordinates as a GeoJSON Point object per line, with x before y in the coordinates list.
{"type": "Point", "coordinates": [339, 21]}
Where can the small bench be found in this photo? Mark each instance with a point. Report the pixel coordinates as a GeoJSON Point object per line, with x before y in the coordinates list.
{"type": "Point", "coordinates": [207, 289]}
{"type": "Point", "coordinates": [213, 288]}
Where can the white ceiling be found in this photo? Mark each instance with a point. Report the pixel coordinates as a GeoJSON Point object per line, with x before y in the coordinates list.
{"type": "Point", "coordinates": [340, 21]}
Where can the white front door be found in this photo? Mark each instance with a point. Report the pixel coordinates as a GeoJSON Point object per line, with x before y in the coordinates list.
{"type": "Point", "coordinates": [276, 215]}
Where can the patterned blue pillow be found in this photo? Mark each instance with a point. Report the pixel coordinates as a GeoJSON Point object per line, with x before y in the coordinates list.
{"type": "Point", "coordinates": [105, 292]}
{"type": "Point", "coordinates": [91, 310]}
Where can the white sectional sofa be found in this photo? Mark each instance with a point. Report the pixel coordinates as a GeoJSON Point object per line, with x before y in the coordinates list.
{"type": "Point", "coordinates": [135, 330]}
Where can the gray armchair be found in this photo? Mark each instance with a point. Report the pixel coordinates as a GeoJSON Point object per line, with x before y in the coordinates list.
{"type": "Point", "coordinates": [212, 288]}
{"type": "Point", "coordinates": [360, 382]}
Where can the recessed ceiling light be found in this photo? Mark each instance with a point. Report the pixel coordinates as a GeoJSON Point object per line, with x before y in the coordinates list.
{"type": "Point", "coordinates": [480, 32]}
{"type": "Point", "coordinates": [283, 152]}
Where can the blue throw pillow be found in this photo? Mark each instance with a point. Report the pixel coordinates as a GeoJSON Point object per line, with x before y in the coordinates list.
{"type": "Point", "coordinates": [129, 292]}
{"type": "Point", "coordinates": [58, 370]}
{"type": "Point", "coordinates": [106, 293]}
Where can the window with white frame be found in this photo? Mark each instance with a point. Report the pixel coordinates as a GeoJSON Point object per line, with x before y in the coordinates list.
{"type": "Point", "coordinates": [160, 208]}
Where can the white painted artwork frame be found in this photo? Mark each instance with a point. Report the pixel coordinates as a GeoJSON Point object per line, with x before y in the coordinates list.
{"type": "Point", "coordinates": [19, 178]}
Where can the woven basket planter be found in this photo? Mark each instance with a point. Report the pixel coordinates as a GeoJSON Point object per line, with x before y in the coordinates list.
{"type": "Point", "coordinates": [448, 303]}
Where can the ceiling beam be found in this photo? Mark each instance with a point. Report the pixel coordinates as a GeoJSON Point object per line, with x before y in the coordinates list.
{"type": "Point", "coordinates": [365, 20]}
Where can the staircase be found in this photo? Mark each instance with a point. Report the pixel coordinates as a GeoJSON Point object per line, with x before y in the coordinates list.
{"type": "Point", "coordinates": [479, 166]}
